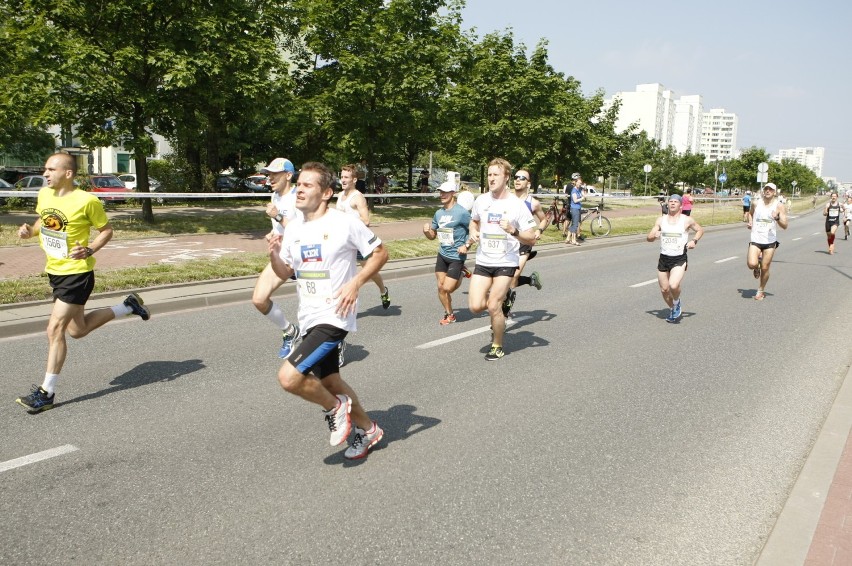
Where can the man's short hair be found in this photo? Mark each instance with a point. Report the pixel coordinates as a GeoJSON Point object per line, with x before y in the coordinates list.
{"type": "Point", "coordinates": [576, 177]}
{"type": "Point", "coordinates": [500, 162]}
{"type": "Point", "coordinates": [326, 176]}
{"type": "Point", "coordinates": [68, 161]}
{"type": "Point", "coordinates": [352, 168]}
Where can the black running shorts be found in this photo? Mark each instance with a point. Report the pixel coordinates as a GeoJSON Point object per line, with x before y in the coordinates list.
{"type": "Point", "coordinates": [492, 272]}
{"type": "Point", "coordinates": [318, 351]}
{"type": "Point", "coordinates": [72, 289]}
{"type": "Point", "coordinates": [667, 262]}
{"type": "Point", "coordinates": [452, 267]}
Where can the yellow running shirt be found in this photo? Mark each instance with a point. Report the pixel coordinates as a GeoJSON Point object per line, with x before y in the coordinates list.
{"type": "Point", "coordinates": [64, 222]}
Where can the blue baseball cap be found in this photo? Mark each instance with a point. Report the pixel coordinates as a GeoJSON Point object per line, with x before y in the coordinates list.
{"type": "Point", "coordinates": [278, 165]}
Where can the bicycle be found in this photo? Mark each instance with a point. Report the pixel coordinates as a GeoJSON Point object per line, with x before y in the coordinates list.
{"type": "Point", "coordinates": [557, 215]}
{"type": "Point", "coordinates": [599, 224]}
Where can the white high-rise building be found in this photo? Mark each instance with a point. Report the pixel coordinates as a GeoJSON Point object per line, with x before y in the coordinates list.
{"type": "Point", "coordinates": [810, 157]}
{"type": "Point", "coordinates": [689, 112]}
{"type": "Point", "coordinates": [719, 135]}
{"type": "Point", "coordinates": [669, 120]}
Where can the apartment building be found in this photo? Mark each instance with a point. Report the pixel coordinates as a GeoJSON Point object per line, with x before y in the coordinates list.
{"type": "Point", "coordinates": [810, 157]}
{"type": "Point", "coordinates": [669, 120]}
{"type": "Point", "coordinates": [110, 159]}
{"type": "Point", "coordinates": [719, 135]}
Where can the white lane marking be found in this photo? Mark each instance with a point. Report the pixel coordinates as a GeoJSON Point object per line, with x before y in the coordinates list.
{"type": "Point", "coordinates": [796, 239]}
{"type": "Point", "coordinates": [455, 337]}
{"type": "Point", "coordinates": [37, 457]}
{"type": "Point", "coordinates": [648, 282]}
{"type": "Point", "coordinates": [817, 234]}
{"type": "Point", "coordinates": [726, 259]}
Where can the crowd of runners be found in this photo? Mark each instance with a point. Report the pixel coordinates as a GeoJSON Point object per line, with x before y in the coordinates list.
{"type": "Point", "coordinates": [330, 252]}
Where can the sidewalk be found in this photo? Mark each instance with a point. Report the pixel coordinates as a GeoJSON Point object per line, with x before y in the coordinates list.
{"type": "Point", "coordinates": [814, 527]}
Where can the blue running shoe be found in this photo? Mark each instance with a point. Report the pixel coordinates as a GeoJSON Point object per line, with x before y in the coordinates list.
{"type": "Point", "coordinates": [676, 310]}
{"type": "Point", "coordinates": [290, 338]}
{"type": "Point", "coordinates": [37, 401]}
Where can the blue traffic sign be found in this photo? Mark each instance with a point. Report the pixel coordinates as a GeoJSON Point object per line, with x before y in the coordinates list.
{"type": "Point", "coordinates": [723, 178]}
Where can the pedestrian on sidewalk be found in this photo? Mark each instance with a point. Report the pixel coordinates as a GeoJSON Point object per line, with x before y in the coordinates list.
{"type": "Point", "coordinates": [281, 210]}
{"type": "Point", "coordinates": [321, 249]}
{"type": "Point", "coordinates": [66, 215]}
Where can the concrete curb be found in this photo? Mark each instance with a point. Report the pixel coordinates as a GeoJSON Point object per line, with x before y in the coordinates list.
{"type": "Point", "coordinates": [793, 533]}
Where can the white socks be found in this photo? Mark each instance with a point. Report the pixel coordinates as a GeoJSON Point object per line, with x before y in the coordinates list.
{"type": "Point", "coordinates": [276, 315]}
{"type": "Point", "coordinates": [121, 310]}
{"type": "Point", "coordinates": [49, 384]}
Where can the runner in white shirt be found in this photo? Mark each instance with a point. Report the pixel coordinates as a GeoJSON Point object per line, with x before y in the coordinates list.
{"type": "Point", "coordinates": [765, 214]}
{"type": "Point", "coordinates": [673, 230]}
{"type": "Point", "coordinates": [320, 249]}
{"type": "Point", "coordinates": [500, 223]}
{"type": "Point", "coordinates": [281, 210]}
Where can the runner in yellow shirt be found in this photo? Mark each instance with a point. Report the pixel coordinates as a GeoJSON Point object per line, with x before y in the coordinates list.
{"type": "Point", "coordinates": [66, 216]}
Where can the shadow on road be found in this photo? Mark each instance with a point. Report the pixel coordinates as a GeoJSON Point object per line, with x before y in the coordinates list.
{"type": "Point", "coordinates": [143, 374]}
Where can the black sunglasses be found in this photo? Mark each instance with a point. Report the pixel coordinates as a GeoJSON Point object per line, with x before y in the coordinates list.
{"type": "Point", "coordinates": [521, 178]}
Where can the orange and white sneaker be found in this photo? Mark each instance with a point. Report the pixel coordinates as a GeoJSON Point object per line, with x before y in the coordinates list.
{"type": "Point", "coordinates": [449, 318]}
{"type": "Point", "coordinates": [338, 420]}
{"type": "Point", "coordinates": [466, 272]}
{"type": "Point", "coordinates": [363, 441]}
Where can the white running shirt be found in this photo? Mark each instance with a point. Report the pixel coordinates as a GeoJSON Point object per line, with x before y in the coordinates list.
{"type": "Point", "coordinates": [497, 248]}
{"type": "Point", "coordinates": [673, 236]}
{"type": "Point", "coordinates": [322, 253]}
{"type": "Point", "coordinates": [286, 205]}
{"type": "Point", "coordinates": [763, 226]}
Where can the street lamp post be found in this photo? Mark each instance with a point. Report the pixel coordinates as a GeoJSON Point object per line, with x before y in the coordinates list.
{"type": "Point", "coordinates": [647, 170]}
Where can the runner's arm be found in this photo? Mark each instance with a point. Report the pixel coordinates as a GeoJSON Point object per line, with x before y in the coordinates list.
{"type": "Point", "coordinates": [655, 231]}
{"type": "Point", "coordinates": [279, 266]}
{"type": "Point", "coordinates": [27, 231]}
{"type": "Point", "coordinates": [348, 296]}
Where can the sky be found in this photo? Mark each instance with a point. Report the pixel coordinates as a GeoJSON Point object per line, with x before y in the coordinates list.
{"type": "Point", "coordinates": [785, 68]}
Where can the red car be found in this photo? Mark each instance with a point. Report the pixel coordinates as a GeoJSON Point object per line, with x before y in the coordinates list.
{"type": "Point", "coordinates": [107, 184]}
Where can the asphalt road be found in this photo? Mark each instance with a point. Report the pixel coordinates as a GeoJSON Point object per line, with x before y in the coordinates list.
{"type": "Point", "coordinates": [604, 436]}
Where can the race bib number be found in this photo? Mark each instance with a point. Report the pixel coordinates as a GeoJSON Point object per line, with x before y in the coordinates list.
{"type": "Point", "coordinates": [493, 244]}
{"type": "Point", "coordinates": [762, 226]}
{"type": "Point", "coordinates": [670, 243]}
{"type": "Point", "coordinates": [315, 287]}
{"type": "Point", "coordinates": [55, 243]}
{"type": "Point", "coordinates": [445, 236]}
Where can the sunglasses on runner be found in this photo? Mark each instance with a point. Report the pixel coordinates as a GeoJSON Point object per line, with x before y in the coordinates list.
{"type": "Point", "coordinates": [521, 178]}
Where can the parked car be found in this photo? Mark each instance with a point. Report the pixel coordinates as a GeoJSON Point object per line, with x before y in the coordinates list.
{"type": "Point", "coordinates": [227, 184]}
{"type": "Point", "coordinates": [31, 183]}
{"type": "Point", "coordinates": [106, 184]}
{"type": "Point", "coordinates": [130, 180]}
{"type": "Point", "coordinates": [4, 186]}
{"type": "Point", "coordinates": [255, 184]}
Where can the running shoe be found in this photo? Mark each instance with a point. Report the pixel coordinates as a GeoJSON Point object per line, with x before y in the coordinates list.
{"type": "Point", "coordinates": [338, 420]}
{"type": "Point", "coordinates": [363, 441]}
{"type": "Point", "coordinates": [531, 255]}
{"type": "Point", "coordinates": [466, 272]}
{"type": "Point", "coordinates": [756, 272]}
{"type": "Point", "coordinates": [341, 358]}
{"type": "Point", "coordinates": [508, 302]}
{"type": "Point", "coordinates": [449, 318]}
{"type": "Point", "coordinates": [535, 280]}
{"type": "Point", "coordinates": [676, 310]}
{"type": "Point", "coordinates": [37, 401]}
{"type": "Point", "coordinates": [385, 299]}
{"type": "Point", "coordinates": [137, 307]}
{"type": "Point", "coordinates": [289, 340]}
{"type": "Point", "coordinates": [495, 353]}
{"type": "Point", "coordinates": [671, 317]}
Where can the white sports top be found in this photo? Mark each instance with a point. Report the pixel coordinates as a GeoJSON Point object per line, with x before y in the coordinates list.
{"type": "Point", "coordinates": [673, 236]}
{"type": "Point", "coordinates": [763, 226]}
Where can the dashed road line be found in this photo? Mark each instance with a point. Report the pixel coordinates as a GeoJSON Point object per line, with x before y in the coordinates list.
{"type": "Point", "coordinates": [37, 457]}
{"type": "Point", "coordinates": [642, 284]}
{"type": "Point", "coordinates": [463, 335]}
{"type": "Point", "coordinates": [726, 259]}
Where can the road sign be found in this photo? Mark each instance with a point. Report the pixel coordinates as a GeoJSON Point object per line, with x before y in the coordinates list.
{"type": "Point", "coordinates": [647, 168]}
{"type": "Point", "coordinates": [763, 167]}
{"type": "Point", "coordinates": [723, 178]}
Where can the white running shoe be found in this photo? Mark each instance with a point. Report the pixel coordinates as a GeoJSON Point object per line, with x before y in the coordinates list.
{"type": "Point", "coordinates": [338, 420]}
{"type": "Point", "coordinates": [363, 441]}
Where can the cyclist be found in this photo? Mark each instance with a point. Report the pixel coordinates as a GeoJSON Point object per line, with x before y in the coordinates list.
{"type": "Point", "coordinates": [575, 207]}
{"type": "Point", "coordinates": [673, 230]}
{"type": "Point", "coordinates": [451, 225]}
